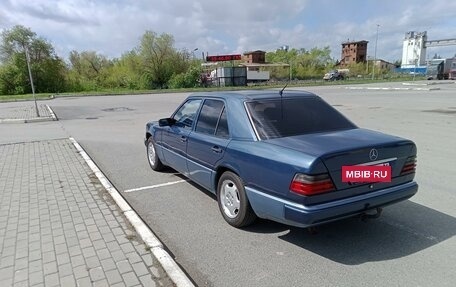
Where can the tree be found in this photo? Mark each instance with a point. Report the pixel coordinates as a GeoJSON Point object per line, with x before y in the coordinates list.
{"type": "Point", "coordinates": [88, 70]}
{"type": "Point", "coordinates": [11, 78]}
{"type": "Point", "coordinates": [189, 79]}
{"type": "Point", "coordinates": [313, 63]}
{"type": "Point", "coordinates": [125, 72]}
{"type": "Point", "coordinates": [305, 64]}
{"type": "Point", "coordinates": [160, 60]}
{"type": "Point", "coordinates": [150, 65]}
{"type": "Point", "coordinates": [357, 69]}
{"type": "Point", "coordinates": [48, 70]}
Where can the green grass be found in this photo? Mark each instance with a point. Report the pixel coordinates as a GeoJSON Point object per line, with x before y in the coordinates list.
{"type": "Point", "coordinates": [269, 85]}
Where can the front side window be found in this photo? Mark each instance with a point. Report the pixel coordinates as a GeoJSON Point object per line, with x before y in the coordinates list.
{"type": "Point", "coordinates": [186, 114]}
{"type": "Point", "coordinates": [289, 117]}
{"type": "Point", "coordinates": [212, 119]}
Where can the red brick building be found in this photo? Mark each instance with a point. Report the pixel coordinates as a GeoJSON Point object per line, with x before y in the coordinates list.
{"type": "Point", "coordinates": [353, 52]}
{"type": "Point", "coordinates": [255, 57]}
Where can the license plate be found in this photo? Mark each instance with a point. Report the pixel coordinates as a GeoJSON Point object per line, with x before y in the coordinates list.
{"type": "Point", "coordinates": [382, 164]}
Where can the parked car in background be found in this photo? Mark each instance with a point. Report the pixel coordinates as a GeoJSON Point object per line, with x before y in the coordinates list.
{"type": "Point", "coordinates": [279, 156]}
{"type": "Point", "coordinates": [333, 75]}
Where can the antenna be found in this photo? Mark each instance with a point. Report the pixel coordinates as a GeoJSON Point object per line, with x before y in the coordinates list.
{"type": "Point", "coordinates": [281, 100]}
{"type": "Point", "coordinates": [281, 91]}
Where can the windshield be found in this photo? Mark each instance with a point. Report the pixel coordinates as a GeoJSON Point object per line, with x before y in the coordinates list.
{"type": "Point", "coordinates": [289, 117]}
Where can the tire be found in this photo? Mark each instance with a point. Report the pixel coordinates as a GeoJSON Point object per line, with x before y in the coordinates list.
{"type": "Point", "coordinates": [152, 156]}
{"type": "Point", "coordinates": [233, 202]}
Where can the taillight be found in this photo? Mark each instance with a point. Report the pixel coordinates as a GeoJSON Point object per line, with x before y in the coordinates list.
{"type": "Point", "coordinates": [409, 166]}
{"type": "Point", "coordinates": [311, 184]}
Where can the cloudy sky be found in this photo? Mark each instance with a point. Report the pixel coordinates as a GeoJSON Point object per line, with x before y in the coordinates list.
{"type": "Point", "coordinates": [112, 27]}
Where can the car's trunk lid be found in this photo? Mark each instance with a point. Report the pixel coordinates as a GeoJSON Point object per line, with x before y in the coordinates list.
{"type": "Point", "coordinates": [351, 147]}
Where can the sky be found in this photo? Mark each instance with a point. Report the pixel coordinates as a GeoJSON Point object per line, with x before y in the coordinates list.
{"type": "Point", "coordinates": [113, 27]}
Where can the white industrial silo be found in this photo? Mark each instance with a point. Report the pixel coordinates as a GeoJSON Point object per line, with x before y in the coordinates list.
{"type": "Point", "coordinates": [414, 49]}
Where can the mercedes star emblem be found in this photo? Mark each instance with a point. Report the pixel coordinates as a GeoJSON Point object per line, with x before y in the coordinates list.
{"type": "Point", "coordinates": [373, 154]}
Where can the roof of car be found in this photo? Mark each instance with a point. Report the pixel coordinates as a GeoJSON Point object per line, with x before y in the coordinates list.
{"type": "Point", "coordinates": [253, 94]}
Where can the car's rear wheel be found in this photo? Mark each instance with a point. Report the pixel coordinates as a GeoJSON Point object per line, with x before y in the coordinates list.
{"type": "Point", "coordinates": [152, 156]}
{"type": "Point", "coordinates": [233, 202]}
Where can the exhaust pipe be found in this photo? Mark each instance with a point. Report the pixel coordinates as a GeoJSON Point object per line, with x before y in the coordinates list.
{"type": "Point", "coordinates": [365, 216]}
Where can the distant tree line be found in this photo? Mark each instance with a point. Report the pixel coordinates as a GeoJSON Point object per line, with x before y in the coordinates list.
{"type": "Point", "coordinates": [154, 63]}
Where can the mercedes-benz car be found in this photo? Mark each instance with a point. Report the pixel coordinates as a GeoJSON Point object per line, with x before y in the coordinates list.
{"type": "Point", "coordinates": [279, 156]}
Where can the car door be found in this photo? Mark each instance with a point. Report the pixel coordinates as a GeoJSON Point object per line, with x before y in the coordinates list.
{"type": "Point", "coordinates": [175, 137]}
{"type": "Point", "coordinates": [207, 143]}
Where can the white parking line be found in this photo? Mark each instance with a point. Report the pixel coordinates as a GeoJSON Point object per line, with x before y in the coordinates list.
{"type": "Point", "coordinates": [155, 186]}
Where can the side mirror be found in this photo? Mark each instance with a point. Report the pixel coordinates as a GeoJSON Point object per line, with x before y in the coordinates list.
{"type": "Point", "coordinates": [166, 122]}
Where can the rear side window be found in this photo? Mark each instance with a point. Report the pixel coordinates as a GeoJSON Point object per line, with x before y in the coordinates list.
{"type": "Point", "coordinates": [212, 119]}
{"type": "Point", "coordinates": [222, 127]}
{"type": "Point", "coordinates": [289, 117]}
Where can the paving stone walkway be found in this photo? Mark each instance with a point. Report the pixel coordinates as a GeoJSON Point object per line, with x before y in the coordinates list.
{"type": "Point", "coordinates": [21, 111]}
{"type": "Point", "coordinates": [59, 226]}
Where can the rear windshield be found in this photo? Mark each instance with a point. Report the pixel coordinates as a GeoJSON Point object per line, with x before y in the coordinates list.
{"type": "Point", "coordinates": [289, 117]}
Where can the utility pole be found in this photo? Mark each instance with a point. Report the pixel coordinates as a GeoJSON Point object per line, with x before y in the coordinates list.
{"type": "Point", "coordinates": [31, 80]}
{"type": "Point", "coordinates": [375, 54]}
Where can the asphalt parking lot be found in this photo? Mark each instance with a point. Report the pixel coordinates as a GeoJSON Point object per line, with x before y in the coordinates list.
{"type": "Point", "coordinates": [412, 244]}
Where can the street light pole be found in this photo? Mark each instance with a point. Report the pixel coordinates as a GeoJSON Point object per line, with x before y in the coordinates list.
{"type": "Point", "coordinates": [375, 54]}
{"type": "Point", "coordinates": [193, 53]}
{"type": "Point", "coordinates": [31, 80]}
{"type": "Point", "coordinates": [290, 72]}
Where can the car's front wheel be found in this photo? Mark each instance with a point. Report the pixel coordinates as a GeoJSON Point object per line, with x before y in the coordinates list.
{"type": "Point", "coordinates": [152, 156]}
{"type": "Point", "coordinates": [233, 202]}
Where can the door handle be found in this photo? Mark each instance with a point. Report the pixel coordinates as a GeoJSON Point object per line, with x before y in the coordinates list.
{"type": "Point", "coordinates": [183, 139]}
{"type": "Point", "coordinates": [216, 149]}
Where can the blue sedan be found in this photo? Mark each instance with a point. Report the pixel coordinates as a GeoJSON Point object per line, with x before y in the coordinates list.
{"type": "Point", "coordinates": [279, 156]}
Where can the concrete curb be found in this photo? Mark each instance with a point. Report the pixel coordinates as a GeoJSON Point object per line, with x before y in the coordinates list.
{"type": "Point", "coordinates": [392, 89]}
{"type": "Point", "coordinates": [53, 117]}
{"type": "Point", "coordinates": [51, 112]}
{"type": "Point", "coordinates": [170, 266]}
{"type": "Point", "coordinates": [442, 82]}
{"type": "Point", "coordinates": [12, 121]}
{"type": "Point", "coordinates": [22, 121]}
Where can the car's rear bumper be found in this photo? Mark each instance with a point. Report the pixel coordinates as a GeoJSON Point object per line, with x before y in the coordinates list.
{"type": "Point", "coordinates": [277, 209]}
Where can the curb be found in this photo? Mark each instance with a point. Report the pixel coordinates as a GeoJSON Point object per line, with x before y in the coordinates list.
{"type": "Point", "coordinates": [392, 89]}
{"type": "Point", "coordinates": [443, 82]}
{"type": "Point", "coordinates": [417, 84]}
{"type": "Point", "coordinates": [170, 266]}
{"type": "Point", "coordinates": [53, 117]}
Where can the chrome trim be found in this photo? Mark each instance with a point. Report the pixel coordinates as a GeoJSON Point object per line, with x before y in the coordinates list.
{"type": "Point", "coordinates": [377, 162]}
{"type": "Point", "coordinates": [251, 122]}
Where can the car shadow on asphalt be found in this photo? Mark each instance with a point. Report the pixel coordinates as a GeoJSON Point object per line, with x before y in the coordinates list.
{"type": "Point", "coordinates": [402, 230]}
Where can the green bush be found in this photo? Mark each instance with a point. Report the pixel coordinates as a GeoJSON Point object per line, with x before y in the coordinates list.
{"type": "Point", "coordinates": [189, 79]}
